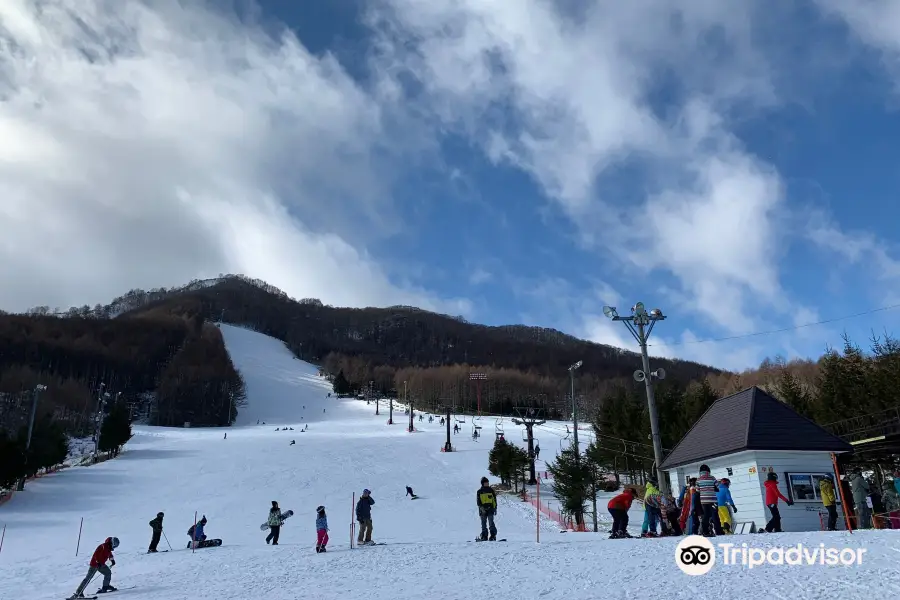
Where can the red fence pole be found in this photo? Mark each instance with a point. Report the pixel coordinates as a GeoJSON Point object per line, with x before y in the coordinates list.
{"type": "Point", "coordinates": [193, 543]}
{"type": "Point", "coordinates": [78, 545]}
{"type": "Point", "coordinates": [352, 522]}
{"type": "Point", "coordinates": [2, 537]}
{"type": "Point", "coordinates": [537, 513]}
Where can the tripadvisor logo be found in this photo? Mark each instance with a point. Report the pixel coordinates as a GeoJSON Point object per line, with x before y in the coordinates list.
{"type": "Point", "coordinates": [696, 555]}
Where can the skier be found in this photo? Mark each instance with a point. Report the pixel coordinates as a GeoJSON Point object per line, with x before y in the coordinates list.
{"type": "Point", "coordinates": [706, 485]}
{"type": "Point", "coordinates": [618, 507]}
{"type": "Point", "coordinates": [537, 451]}
{"type": "Point", "coordinates": [409, 492]}
{"type": "Point", "coordinates": [456, 428]}
{"type": "Point", "coordinates": [321, 529]}
{"type": "Point", "coordinates": [652, 508]}
{"type": "Point", "coordinates": [826, 490]}
{"type": "Point", "coordinates": [197, 534]}
{"type": "Point", "coordinates": [226, 436]}
{"type": "Point", "coordinates": [772, 496]}
{"type": "Point", "coordinates": [724, 500]}
{"type": "Point", "coordinates": [486, 499]}
{"type": "Point", "coordinates": [275, 521]}
{"type": "Point", "coordinates": [364, 516]}
{"type": "Point", "coordinates": [292, 442]}
{"type": "Point", "coordinates": [157, 526]}
{"type": "Point", "coordinates": [103, 553]}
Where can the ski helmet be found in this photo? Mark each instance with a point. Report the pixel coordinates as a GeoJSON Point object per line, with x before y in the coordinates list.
{"type": "Point", "coordinates": [772, 477]}
{"type": "Point", "coordinates": [115, 542]}
{"type": "Point", "coordinates": [160, 515]}
{"type": "Point", "coordinates": [367, 491]}
{"type": "Point", "coordinates": [725, 481]}
{"type": "Point", "coordinates": [320, 508]}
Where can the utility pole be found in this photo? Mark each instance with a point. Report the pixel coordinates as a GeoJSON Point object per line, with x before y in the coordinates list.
{"type": "Point", "coordinates": [448, 447]}
{"type": "Point", "coordinates": [409, 405]}
{"type": "Point", "coordinates": [641, 324]}
{"type": "Point", "coordinates": [572, 370]}
{"type": "Point", "coordinates": [529, 418]}
{"type": "Point", "coordinates": [34, 404]}
{"type": "Point", "coordinates": [478, 378]}
{"type": "Point", "coordinates": [371, 393]}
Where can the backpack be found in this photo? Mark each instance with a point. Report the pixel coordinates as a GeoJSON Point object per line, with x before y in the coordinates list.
{"type": "Point", "coordinates": [191, 531]}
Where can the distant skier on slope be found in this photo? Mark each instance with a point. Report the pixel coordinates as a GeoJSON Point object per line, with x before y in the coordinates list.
{"type": "Point", "coordinates": [537, 451]}
{"type": "Point", "coordinates": [157, 526]}
{"type": "Point", "coordinates": [486, 499]}
{"type": "Point", "coordinates": [409, 492]}
{"type": "Point", "coordinates": [102, 554]}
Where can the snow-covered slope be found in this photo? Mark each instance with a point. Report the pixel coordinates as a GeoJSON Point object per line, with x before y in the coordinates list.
{"type": "Point", "coordinates": [232, 481]}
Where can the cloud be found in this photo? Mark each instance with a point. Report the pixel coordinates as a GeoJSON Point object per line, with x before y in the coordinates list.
{"type": "Point", "coordinates": [575, 101]}
{"type": "Point", "coordinates": [149, 144]}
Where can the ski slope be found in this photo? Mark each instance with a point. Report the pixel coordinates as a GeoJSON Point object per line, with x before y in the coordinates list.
{"type": "Point", "coordinates": [347, 448]}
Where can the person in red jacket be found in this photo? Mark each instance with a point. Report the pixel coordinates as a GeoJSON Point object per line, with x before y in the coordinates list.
{"type": "Point", "coordinates": [618, 508]}
{"type": "Point", "coordinates": [772, 496]}
{"type": "Point", "coordinates": [102, 554]}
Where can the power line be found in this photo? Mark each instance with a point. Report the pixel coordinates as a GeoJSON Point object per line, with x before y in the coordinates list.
{"type": "Point", "coordinates": [784, 329]}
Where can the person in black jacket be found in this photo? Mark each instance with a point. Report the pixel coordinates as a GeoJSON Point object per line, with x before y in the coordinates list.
{"type": "Point", "coordinates": [156, 525]}
{"type": "Point", "coordinates": [486, 499]}
{"type": "Point", "coordinates": [364, 516]}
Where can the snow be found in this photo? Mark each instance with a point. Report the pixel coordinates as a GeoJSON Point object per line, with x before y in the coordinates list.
{"type": "Point", "coordinates": [347, 448]}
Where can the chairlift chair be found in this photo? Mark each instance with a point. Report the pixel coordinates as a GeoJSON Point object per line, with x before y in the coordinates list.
{"type": "Point", "coordinates": [498, 426]}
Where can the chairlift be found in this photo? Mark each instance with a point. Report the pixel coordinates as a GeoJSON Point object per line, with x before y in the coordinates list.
{"type": "Point", "coordinates": [476, 431]}
{"type": "Point", "coordinates": [460, 418]}
{"type": "Point", "coordinates": [498, 426]}
{"type": "Point", "coordinates": [524, 434]}
{"type": "Point", "coordinates": [562, 441]}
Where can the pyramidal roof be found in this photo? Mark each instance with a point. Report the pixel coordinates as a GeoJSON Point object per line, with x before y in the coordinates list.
{"type": "Point", "coordinates": [750, 420]}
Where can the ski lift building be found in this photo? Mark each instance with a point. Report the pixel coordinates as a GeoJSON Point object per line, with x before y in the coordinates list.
{"type": "Point", "coordinates": [748, 435]}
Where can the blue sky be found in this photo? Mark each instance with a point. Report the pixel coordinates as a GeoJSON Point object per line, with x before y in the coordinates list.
{"type": "Point", "coordinates": [512, 162]}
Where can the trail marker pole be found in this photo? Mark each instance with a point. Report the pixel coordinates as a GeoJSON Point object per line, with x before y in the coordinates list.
{"type": "Point", "coordinates": [78, 545]}
{"type": "Point", "coordinates": [538, 512]}
{"type": "Point", "coordinates": [2, 537]}
{"type": "Point", "coordinates": [193, 543]}
{"type": "Point", "coordinates": [352, 522]}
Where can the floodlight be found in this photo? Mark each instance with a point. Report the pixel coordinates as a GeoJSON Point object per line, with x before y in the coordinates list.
{"type": "Point", "coordinates": [610, 312]}
{"type": "Point", "coordinates": [656, 313]}
{"type": "Point", "coordinates": [639, 308]}
{"type": "Point", "coordinates": [576, 366]}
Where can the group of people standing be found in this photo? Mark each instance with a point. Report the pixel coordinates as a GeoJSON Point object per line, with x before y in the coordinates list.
{"type": "Point", "coordinates": [704, 507]}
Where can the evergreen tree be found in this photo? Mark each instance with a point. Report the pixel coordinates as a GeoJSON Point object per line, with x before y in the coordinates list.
{"type": "Point", "coordinates": [571, 482]}
{"type": "Point", "coordinates": [12, 461]}
{"type": "Point", "coordinates": [790, 391]}
{"type": "Point", "coordinates": [507, 462]}
{"type": "Point", "coordinates": [49, 445]}
{"type": "Point", "coordinates": [115, 430]}
{"type": "Point", "coordinates": [340, 385]}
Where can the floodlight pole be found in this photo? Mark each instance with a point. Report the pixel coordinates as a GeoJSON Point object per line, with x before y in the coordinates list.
{"type": "Point", "coordinates": [34, 404]}
{"type": "Point", "coordinates": [99, 420]}
{"type": "Point", "coordinates": [641, 324]}
{"type": "Point", "coordinates": [572, 370]}
{"type": "Point", "coordinates": [529, 420]}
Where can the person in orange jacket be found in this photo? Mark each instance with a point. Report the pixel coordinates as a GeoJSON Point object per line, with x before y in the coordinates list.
{"type": "Point", "coordinates": [618, 507]}
{"type": "Point", "coordinates": [772, 496]}
{"type": "Point", "coordinates": [102, 554]}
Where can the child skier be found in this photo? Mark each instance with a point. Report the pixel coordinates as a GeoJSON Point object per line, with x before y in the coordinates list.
{"type": "Point", "coordinates": [724, 501]}
{"type": "Point", "coordinates": [274, 522]}
{"type": "Point", "coordinates": [157, 526]}
{"type": "Point", "coordinates": [321, 529]}
{"type": "Point", "coordinates": [102, 554]}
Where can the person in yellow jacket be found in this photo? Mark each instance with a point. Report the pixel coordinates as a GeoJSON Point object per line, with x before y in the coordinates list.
{"type": "Point", "coordinates": [829, 499]}
{"type": "Point", "coordinates": [486, 499]}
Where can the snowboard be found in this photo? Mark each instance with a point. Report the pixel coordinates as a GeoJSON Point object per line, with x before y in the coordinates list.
{"type": "Point", "coordinates": [82, 598]}
{"type": "Point", "coordinates": [207, 544]}
{"type": "Point", "coordinates": [478, 539]}
{"type": "Point", "coordinates": [284, 517]}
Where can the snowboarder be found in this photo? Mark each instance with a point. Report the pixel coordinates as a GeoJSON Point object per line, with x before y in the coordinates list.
{"type": "Point", "coordinates": [486, 499]}
{"type": "Point", "coordinates": [724, 501]}
{"type": "Point", "coordinates": [772, 496]}
{"type": "Point", "coordinates": [321, 529]}
{"type": "Point", "coordinates": [292, 442]}
{"type": "Point", "coordinates": [275, 521]}
{"type": "Point", "coordinates": [364, 516]}
{"type": "Point", "coordinates": [618, 508]}
{"type": "Point", "coordinates": [226, 436]}
{"type": "Point", "coordinates": [157, 526]}
{"type": "Point", "coordinates": [102, 554]}
{"type": "Point", "coordinates": [197, 534]}
{"type": "Point", "coordinates": [537, 451]}
{"type": "Point", "coordinates": [409, 492]}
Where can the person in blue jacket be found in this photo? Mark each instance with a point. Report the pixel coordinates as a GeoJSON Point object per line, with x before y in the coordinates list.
{"type": "Point", "coordinates": [196, 532]}
{"type": "Point", "coordinates": [724, 501]}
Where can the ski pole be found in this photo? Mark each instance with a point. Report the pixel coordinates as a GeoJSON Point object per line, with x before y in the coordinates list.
{"type": "Point", "coordinates": [167, 540]}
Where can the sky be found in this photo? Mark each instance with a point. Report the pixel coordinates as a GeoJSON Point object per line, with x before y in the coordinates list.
{"type": "Point", "coordinates": [509, 162]}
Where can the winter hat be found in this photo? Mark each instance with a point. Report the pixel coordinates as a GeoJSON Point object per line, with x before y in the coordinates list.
{"type": "Point", "coordinates": [725, 481]}
{"type": "Point", "coordinates": [274, 504]}
{"type": "Point", "coordinates": [203, 520]}
{"type": "Point", "coordinates": [631, 491]}
{"type": "Point", "coordinates": [772, 477]}
{"type": "Point", "coordinates": [160, 515]}
{"type": "Point", "coordinates": [484, 480]}
{"type": "Point", "coordinates": [704, 468]}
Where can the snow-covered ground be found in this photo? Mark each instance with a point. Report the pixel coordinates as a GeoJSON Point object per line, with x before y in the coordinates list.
{"type": "Point", "coordinates": [347, 448]}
